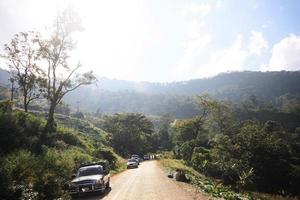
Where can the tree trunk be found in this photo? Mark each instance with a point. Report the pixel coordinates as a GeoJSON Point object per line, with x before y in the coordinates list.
{"type": "Point", "coordinates": [12, 91]}
{"type": "Point", "coordinates": [25, 103]}
{"type": "Point", "coordinates": [51, 125]}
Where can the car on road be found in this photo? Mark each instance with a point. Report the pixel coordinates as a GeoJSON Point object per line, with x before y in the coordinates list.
{"type": "Point", "coordinates": [132, 163]}
{"type": "Point", "coordinates": [146, 157]}
{"type": "Point", "coordinates": [137, 157]}
{"type": "Point", "coordinates": [90, 178]}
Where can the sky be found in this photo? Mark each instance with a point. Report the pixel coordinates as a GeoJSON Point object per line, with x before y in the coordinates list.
{"type": "Point", "coordinates": [169, 40]}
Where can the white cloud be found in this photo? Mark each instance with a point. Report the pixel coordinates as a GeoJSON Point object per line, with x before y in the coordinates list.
{"type": "Point", "coordinates": [201, 60]}
{"type": "Point", "coordinates": [257, 43]}
{"type": "Point", "coordinates": [202, 57]}
{"type": "Point", "coordinates": [232, 58]}
{"type": "Point", "coordinates": [195, 47]}
{"type": "Point", "coordinates": [285, 55]}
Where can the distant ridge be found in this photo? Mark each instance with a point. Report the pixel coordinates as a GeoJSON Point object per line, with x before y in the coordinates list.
{"type": "Point", "coordinates": [178, 98]}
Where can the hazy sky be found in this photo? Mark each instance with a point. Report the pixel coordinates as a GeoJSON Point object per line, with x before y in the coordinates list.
{"type": "Point", "coordinates": [168, 40]}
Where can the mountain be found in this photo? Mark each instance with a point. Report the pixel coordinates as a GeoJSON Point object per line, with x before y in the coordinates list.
{"type": "Point", "coordinates": [178, 98]}
{"type": "Point", "coordinates": [274, 83]}
{"type": "Point", "coordinates": [4, 76]}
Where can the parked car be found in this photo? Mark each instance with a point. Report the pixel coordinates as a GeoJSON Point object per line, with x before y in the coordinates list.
{"type": "Point", "coordinates": [137, 157]}
{"type": "Point", "coordinates": [146, 157]}
{"type": "Point", "coordinates": [132, 163]}
{"type": "Point", "coordinates": [90, 178]}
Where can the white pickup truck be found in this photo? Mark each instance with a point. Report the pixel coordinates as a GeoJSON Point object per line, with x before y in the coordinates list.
{"type": "Point", "coordinates": [91, 178]}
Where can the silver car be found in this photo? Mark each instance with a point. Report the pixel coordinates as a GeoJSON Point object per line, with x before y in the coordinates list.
{"type": "Point", "coordinates": [132, 163]}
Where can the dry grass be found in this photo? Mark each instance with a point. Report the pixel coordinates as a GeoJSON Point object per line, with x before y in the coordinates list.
{"type": "Point", "coordinates": [172, 165]}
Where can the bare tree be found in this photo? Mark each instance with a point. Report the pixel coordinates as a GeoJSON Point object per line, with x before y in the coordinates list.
{"type": "Point", "coordinates": [55, 52]}
{"type": "Point", "coordinates": [22, 54]}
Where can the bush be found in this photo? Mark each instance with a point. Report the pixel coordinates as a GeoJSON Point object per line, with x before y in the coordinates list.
{"type": "Point", "coordinates": [5, 106]}
{"type": "Point", "coordinates": [69, 137]}
{"type": "Point", "coordinates": [19, 130]}
{"type": "Point", "coordinates": [17, 175]}
{"type": "Point", "coordinates": [106, 153]}
{"type": "Point", "coordinates": [35, 165]}
{"type": "Point", "coordinates": [55, 171]}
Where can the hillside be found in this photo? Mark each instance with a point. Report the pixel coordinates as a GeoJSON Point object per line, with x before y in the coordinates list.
{"type": "Point", "coordinates": [41, 164]}
{"type": "Point", "coordinates": [177, 98]}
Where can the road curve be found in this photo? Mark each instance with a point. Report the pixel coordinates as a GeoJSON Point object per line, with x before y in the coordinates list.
{"type": "Point", "coordinates": [148, 182]}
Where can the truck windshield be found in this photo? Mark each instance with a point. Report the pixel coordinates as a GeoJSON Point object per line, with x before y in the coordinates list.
{"type": "Point", "coordinates": [90, 171]}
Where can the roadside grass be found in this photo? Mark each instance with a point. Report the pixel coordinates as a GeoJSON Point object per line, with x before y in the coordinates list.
{"type": "Point", "coordinates": [171, 165]}
{"type": "Point", "coordinates": [215, 189]}
{"type": "Point", "coordinates": [120, 166]}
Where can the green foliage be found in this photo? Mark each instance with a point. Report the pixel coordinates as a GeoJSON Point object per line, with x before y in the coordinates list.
{"type": "Point", "coordinates": [19, 130]}
{"type": "Point", "coordinates": [69, 137]}
{"type": "Point", "coordinates": [131, 133]}
{"type": "Point", "coordinates": [5, 106]}
{"type": "Point", "coordinates": [246, 155]}
{"type": "Point", "coordinates": [55, 170]}
{"type": "Point", "coordinates": [46, 176]}
{"type": "Point", "coordinates": [191, 129]}
{"type": "Point", "coordinates": [164, 141]}
{"type": "Point", "coordinates": [35, 165]}
{"type": "Point", "coordinates": [108, 154]}
{"type": "Point", "coordinates": [17, 175]}
{"type": "Point", "coordinates": [215, 189]}
{"type": "Point", "coordinates": [87, 129]}
{"type": "Point", "coordinates": [219, 190]}
{"type": "Point", "coordinates": [22, 55]}
{"type": "Point", "coordinates": [259, 89]}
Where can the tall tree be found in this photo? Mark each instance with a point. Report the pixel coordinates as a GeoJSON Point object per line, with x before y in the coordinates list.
{"type": "Point", "coordinates": [55, 51]}
{"type": "Point", "coordinates": [220, 114]}
{"type": "Point", "coordinates": [22, 54]}
{"type": "Point", "coordinates": [131, 133]}
{"type": "Point", "coordinates": [165, 142]}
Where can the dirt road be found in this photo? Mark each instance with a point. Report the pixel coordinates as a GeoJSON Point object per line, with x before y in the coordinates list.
{"type": "Point", "coordinates": [148, 182]}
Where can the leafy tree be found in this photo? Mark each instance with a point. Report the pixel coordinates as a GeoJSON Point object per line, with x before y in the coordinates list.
{"type": "Point", "coordinates": [219, 114]}
{"type": "Point", "coordinates": [55, 51]}
{"type": "Point", "coordinates": [22, 54]}
{"type": "Point", "coordinates": [189, 129]}
{"type": "Point", "coordinates": [290, 103]}
{"type": "Point", "coordinates": [187, 135]}
{"type": "Point", "coordinates": [164, 135]}
{"type": "Point", "coordinates": [131, 133]}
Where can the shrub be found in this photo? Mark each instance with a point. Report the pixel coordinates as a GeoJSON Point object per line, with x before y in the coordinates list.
{"type": "Point", "coordinates": [55, 171]}
{"type": "Point", "coordinates": [106, 154]}
{"type": "Point", "coordinates": [5, 106]}
{"type": "Point", "coordinates": [17, 174]}
{"type": "Point", "coordinates": [19, 130]}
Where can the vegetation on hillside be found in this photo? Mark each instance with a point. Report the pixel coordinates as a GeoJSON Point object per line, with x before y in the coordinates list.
{"type": "Point", "coordinates": [246, 154]}
{"type": "Point", "coordinates": [36, 165]}
{"type": "Point", "coordinates": [269, 89]}
{"type": "Point", "coordinates": [131, 133]}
